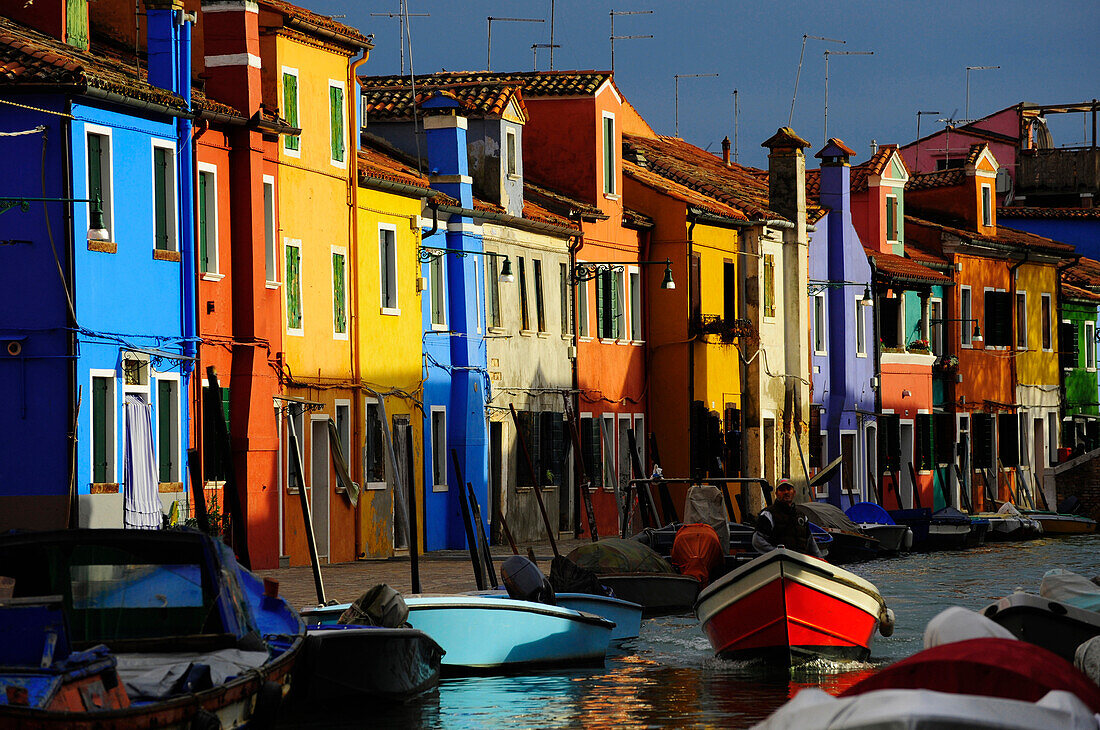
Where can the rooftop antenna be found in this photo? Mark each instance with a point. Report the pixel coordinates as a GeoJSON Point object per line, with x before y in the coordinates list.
{"type": "Point", "coordinates": [404, 5]}
{"type": "Point", "coordinates": [614, 37]}
{"type": "Point", "coordinates": [489, 40]}
{"type": "Point", "coordinates": [551, 46]}
{"type": "Point", "coordinates": [736, 156]}
{"type": "Point", "coordinates": [949, 124]}
{"type": "Point", "coordinates": [805, 37]}
{"type": "Point", "coordinates": [678, 77]}
{"type": "Point", "coordinates": [402, 19]}
{"type": "Point", "coordinates": [919, 115]}
{"type": "Point", "coordinates": [535, 53]}
{"type": "Point", "coordinates": [968, 120]}
{"type": "Point", "coordinates": [836, 53]}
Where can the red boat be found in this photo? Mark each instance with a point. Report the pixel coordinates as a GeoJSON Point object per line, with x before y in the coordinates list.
{"type": "Point", "coordinates": [787, 608]}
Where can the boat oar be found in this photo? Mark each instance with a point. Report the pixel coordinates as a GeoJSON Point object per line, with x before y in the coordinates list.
{"type": "Point", "coordinates": [534, 481]}
{"type": "Point", "coordinates": [471, 539]}
{"type": "Point", "coordinates": [667, 505]}
{"type": "Point", "coordinates": [410, 513]}
{"type": "Point", "coordinates": [874, 486]}
{"type": "Point", "coordinates": [916, 487]}
{"type": "Point", "coordinates": [297, 471]}
{"type": "Point", "coordinates": [194, 462]}
{"type": "Point", "coordinates": [649, 517]}
{"type": "Point", "coordinates": [962, 488]}
{"type": "Point", "coordinates": [583, 497]}
{"type": "Point", "coordinates": [481, 536]}
{"type": "Point", "coordinates": [508, 533]}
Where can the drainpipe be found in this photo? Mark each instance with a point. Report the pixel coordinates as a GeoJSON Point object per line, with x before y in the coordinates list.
{"type": "Point", "coordinates": [574, 247]}
{"type": "Point", "coordinates": [875, 334]}
{"type": "Point", "coordinates": [187, 210]}
{"type": "Point", "coordinates": [691, 350]}
{"type": "Point", "coordinates": [70, 282]}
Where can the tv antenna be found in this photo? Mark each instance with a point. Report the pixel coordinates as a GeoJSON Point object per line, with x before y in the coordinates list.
{"type": "Point", "coordinates": [836, 53]}
{"type": "Point", "coordinates": [402, 18]}
{"type": "Point", "coordinates": [805, 37]}
{"type": "Point", "coordinates": [614, 37]}
{"type": "Point", "coordinates": [489, 37]}
{"type": "Point", "coordinates": [968, 120]}
{"type": "Point", "coordinates": [684, 76]}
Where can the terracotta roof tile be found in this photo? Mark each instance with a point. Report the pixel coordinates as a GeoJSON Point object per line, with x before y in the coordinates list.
{"type": "Point", "coordinates": [1057, 213]}
{"type": "Point", "coordinates": [1085, 273]}
{"type": "Point", "coordinates": [939, 179]}
{"type": "Point", "coordinates": [635, 219]}
{"type": "Point", "coordinates": [681, 192]}
{"type": "Point", "coordinates": [923, 256]}
{"type": "Point", "coordinates": [1005, 236]}
{"type": "Point", "coordinates": [375, 164]}
{"type": "Point", "coordinates": [1070, 291]}
{"type": "Point", "coordinates": [860, 174]}
{"type": "Point", "coordinates": [893, 268]}
{"type": "Point", "coordinates": [350, 36]}
{"type": "Point", "coordinates": [839, 143]}
{"type": "Point", "coordinates": [394, 102]}
{"type": "Point", "coordinates": [975, 152]}
{"type": "Point", "coordinates": [558, 202]}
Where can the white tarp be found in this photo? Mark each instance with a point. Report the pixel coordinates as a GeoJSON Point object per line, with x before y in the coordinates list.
{"type": "Point", "coordinates": [1067, 587]}
{"type": "Point", "coordinates": [961, 624]}
{"type": "Point", "coordinates": [142, 495]}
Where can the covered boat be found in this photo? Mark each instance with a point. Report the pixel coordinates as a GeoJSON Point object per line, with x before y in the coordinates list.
{"type": "Point", "coordinates": [850, 543]}
{"type": "Point", "coordinates": [636, 573]}
{"type": "Point", "coordinates": [139, 628]}
{"type": "Point", "coordinates": [945, 529]}
{"type": "Point", "coordinates": [1051, 624]}
{"type": "Point", "coordinates": [873, 520]}
{"type": "Point", "coordinates": [786, 608]}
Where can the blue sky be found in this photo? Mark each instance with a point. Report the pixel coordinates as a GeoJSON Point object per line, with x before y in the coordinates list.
{"type": "Point", "coordinates": [1047, 53]}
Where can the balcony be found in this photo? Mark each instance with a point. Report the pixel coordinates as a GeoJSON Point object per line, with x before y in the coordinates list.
{"type": "Point", "coordinates": [1063, 171]}
{"type": "Point", "coordinates": [726, 330]}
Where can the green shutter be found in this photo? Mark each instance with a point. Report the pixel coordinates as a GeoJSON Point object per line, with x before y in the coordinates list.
{"type": "Point", "coordinates": [76, 23]}
{"type": "Point", "coordinates": [339, 309]}
{"type": "Point", "coordinates": [204, 250]}
{"type": "Point", "coordinates": [602, 310]}
{"type": "Point", "coordinates": [293, 288]}
{"type": "Point", "coordinates": [95, 167]}
{"type": "Point", "coordinates": [290, 108]}
{"type": "Point", "coordinates": [769, 285]}
{"type": "Point", "coordinates": [164, 429]}
{"type": "Point", "coordinates": [336, 114]}
{"type": "Point", "coordinates": [160, 197]}
{"type": "Point", "coordinates": [608, 155]}
{"type": "Point", "coordinates": [100, 404]}
{"type": "Point", "coordinates": [616, 306]}
{"type": "Point", "coordinates": [892, 219]}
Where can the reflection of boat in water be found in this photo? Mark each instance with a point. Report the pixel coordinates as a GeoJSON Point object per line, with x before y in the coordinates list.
{"type": "Point", "coordinates": [129, 628]}
{"type": "Point", "coordinates": [786, 608]}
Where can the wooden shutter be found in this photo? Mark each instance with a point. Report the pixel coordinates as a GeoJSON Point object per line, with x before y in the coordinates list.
{"type": "Point", "coordinates": [95, 167]}
{"type": "Point", "coordinates": [336, 120]}
{"type": "Point", "coordinates": [566, 320]}
{"type": "Point", "coordinates": [729, 291]}
{"type": "Point", "coordinates": [982, 428]}
{"type": "Point", "coordinates": [526, 428]}
{"type": "Point", "coordinates": [590, 444]}
{"type": "Point", "coordinates": [696, 286]}
{"type": "Point", "coordinates": [998, 319]}
{"type": "Point", "coordinates": [815, 437]}
{"type": "Point", "coordinates": [164, 429]}
{"type": "Point", "coordinates": [290, 112]}
{"type": "Point", "coordinates": [293, 288]}
{"type": "Point", "coordinates": [1068, 350]}
{"type": "Point", "coordinates": [204, 250]}
{"type": "Point", "coordinates": [944, 437]}
{"type": "Point", "coordinates": [603, 308]}
{"type": "Point", "coordinates": [339, 295]}
{"type": "Point", "coordinates": [100, 440]}
{"type": "Point", "coordinates": [524, 313]}
{"type": "Point", "coordinates": [769, 285]}
{"type": "Point", "coordinates": [540, 306]}
{"type": "Point", "coordinates": [616, 306]}
{"type": "Point", "coordinates": [552, 432]}
{"type": "Point", "coordinates": [608, 155]}
{"type": "Point", "coordinates": [160, 197]}
{"type": "Point", "coordinates": [924, 441]}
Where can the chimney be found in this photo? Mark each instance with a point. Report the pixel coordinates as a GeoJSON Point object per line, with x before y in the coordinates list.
{"type": "Point", "coordinates": [787, 175]}
{"type": "Point", "coordinates": [874, 148]}
{"type": "Point", "coordinates": [64, 20]}
{"type": "Point", "coordinates": [726, 151]}
{"type": "Point", "coordinates": [836, 188]}
{"type": "Point", "coordinates": [448, 163]}
{"type": "Point", "coordinates": [164, 23]}
{"type": "Point", "coordinates": [231, 53]}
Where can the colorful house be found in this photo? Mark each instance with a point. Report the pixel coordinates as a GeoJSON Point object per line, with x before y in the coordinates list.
{"type": "Point", "coordinates": [1080, 295]}
{"type": "Point", "coordinates": [94, 372]}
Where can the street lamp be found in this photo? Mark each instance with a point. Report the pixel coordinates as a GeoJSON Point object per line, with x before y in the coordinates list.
{"type": "Point", "coordinates": [976, 336]}
{"type": "Point", "coordinates": [430, 253]}
{"type": "Point", "coordinates": [588, 270]}
{"type": "Point", "coordinates": [97, 231]}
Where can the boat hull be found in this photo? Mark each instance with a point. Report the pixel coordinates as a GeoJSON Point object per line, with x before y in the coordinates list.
{"type": "Point", "coordinates": [1055, 626]}
{"type": "Point", "coordinates": [785, 608]}
{"type": "Point", "coordinates": [659, 594]}
{"type": "Point", "coordinates": [891, 538]}
{"type": "Point", "coordinates": [1060, 525]}
{"type": "Point", "coordinates": [626, 616]}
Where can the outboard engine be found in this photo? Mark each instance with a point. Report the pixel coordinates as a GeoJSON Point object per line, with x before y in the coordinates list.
{"type": "Point", "coordinates": [525, 582]}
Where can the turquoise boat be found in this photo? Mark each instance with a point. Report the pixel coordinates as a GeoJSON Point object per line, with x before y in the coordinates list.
{"type": "Point", "coordinates": [626, 615]}
{"type": "Point", "coordinates": [490, 635]}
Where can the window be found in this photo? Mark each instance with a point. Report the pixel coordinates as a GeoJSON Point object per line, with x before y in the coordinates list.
{"type": "Point", "coordinates": [818, 446]}
{"type": "Point", "coordinates": [374, 445]}
{"type": "Point", "coordinates": [861, 327]}
{"type": "Point", "coordinates": [477, 302]}
{"type": "Point", "coordinates": [769, 285]}
{"type": "Point", "coordinates": [965, 317]}
{"type": "Point", "coordinates": [168, 432]}
{"type": "Point", "coordinates": [987, 205]}
{"type": "Point", "coordinates": [1021, 320]}
{"type": "Point", "coordinates": [729, 291]}
{"type": "Point", "coordinates": [511, 151]}
{"type": "Point", "coordinates": [291, 143]}
{"type": "Point", "coordinates": [1046, 323]}
{"type": "Point", "coordinates": [295, 439]}
{"type": "Point", "coordinates": [590, 450]}
{"type": "Point", "coordinates": [439, 449]}
{"type": "Point", "coordinates": [293, 278]}
{"type": "Point", "coordinates": [891, 218]}
{"type": "Point", "coordinates": [100, 173]}
{"type": "Point", "coordinates": [103, 428]}
{"type": "Point", "coordinates": [339, 293]}
{"type": "Point", "coordinates": [1069, 353]}
{"type": "Point", "coordinates": [609, 306]}
{"type": "Point", "coordinates": [636, 306]}
{"type": "Point", "coordinates": [563, 295]}
{"type": "Point", "coordinates": [607, 441]}
{"type": "Point", "coordinates": [982, 425]}
{"type": "Point", "coordinates": [582, 309]}
{"type": "Point", "coordinates": [164, 196]}
{"type": "Point", "coordinates": [208, 219]}
{"type": "Point", "coordinates": [923, 436]}
{"type": "Point", "coordinates": [935, 326]}
{"type": "Point", "coordinates": [437, 284]}
{"type": "Point", "coordinates": [540, 308]}
{"type": "Point", "coordinates": [524, 314]}
{"type": "Point", "coordinates": [271, 256]}
{"type": "Point", "coordinates": [1008, 439]}
{"type": "Point", "coordinates": [943, 425]}
{"type": "Point", "coordinates": [998, 318]}
{"type": "Point", "coordinates": [216, 463]}
{"type": "Point", "coordinates": [1053, 440]}
{"type": "Point", "coordinates": [819, 323]}
{"type": "Point", "coordinates": [639, 440]}
{"type": "Point", "coordinates": [492, 291]}
{"type": "Point", "coordinates": [890, 313]}
{"type": "Point", "coordinates": [1025, 445]}
{"type": "Point", "coordinates": [336, 122]}
{"type": "Point", "coordinates": [695, 287]}
{"type": "Point", "coordinates": [1090, 345]}
{"type": "Point", "coordinates": [609, 166]}
{"type": "Point", "coordinates": [343, 426]}
{"type": "Point", "coordinates": [387, 268]}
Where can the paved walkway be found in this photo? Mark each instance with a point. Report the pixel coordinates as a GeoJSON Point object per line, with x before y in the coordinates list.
{"type": "Point", "coordinates": [442, 571]}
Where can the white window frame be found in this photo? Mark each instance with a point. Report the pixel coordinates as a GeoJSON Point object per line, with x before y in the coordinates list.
{"type": "Point", "coordinates": [1090, 346]}
{"type": "Point", "coordinates": [639, 438]}
{"type": "Point", "coordinates": [336, 84]}
{"type": "Point", "coordinates": [177, 475]}
{"type": "Point", "coordinates": [610, 187]}
{"type": "Point", "coordinates": [584, 331]}
{"type": "Point", "coordinates": [172, 203]}
{"type": "Point", "coordinates": [610, 482]}
{"type": "Point", "coordinates": [214, 274]}
{"type": "Point", "coordinates": [342, 251]}
{"type": "Point", "coordinates": [271, 234]}
{"type": "Point", "coordinates": [112, 426]}
{"type": "Point", "coordinates": [511, 151]}
{"type": "Point", "coordinates": [294, 331]}
{"type": "Point", "coordinates": [385, 264]}
{"type": "Point", "coordinates": [439, 460]}
{"type": "Point", "coordinates": [342, 404]}
{"type": "Point", "coordinates": [1025, 332]}
{"type": "Point", "coordinates": [937, 340]}
{"type": "Point", "coordinates": [367, 403]}
{"type": "Point", "coordinates": [987, 204]}
{"type": "Point", "coordinates": [861, 326]}
{"type": "Point", "coordinates": [479, 303]}
{"type": "Point", "coordinates": [1047, 303]}
{"type": "Point", "coordinates": [634, 320]}
{"type": "Point", "coordinates": [893, 236]}
{"type": "Point", "coordinates": [299, 421]}
{"type": "Point", "coordinates": [1053, 433]}
{"type": "Point", "coordinates": [821, 339]}
{"type": "Point", "coordinates": [108, 201]}
{"type": "Point", "coordinates": [441, 261]}
{"type": "Point", "coordinates": [624, 323]}
{"type": "Point", "coordinates": [985, 318]}
{"type": "Point", "coordinates": [966, 318]}
{"type": "Point", "coordinates": [288, 71]}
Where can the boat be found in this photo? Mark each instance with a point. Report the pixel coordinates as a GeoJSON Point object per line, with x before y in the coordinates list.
{"type": "Point", "coordinates": [873, 520]}
{"type": "Point", "coordinates": [139, 629]}
{"type": "Point", "coordinates": [1056, 524]}
{"type": "Point", "coordinates": [849, 543]}
{"type": "Point", "coordinates": [635, 572]}
{"type": "Point", "coordinates": [785, 608]}
{"type": "Point", "coordinates": [489, 634]}
{"type": "Point", "coordinates": [626, 615]}
{"type": "Point", "coordinates": [979, 529]}
{"type": "Point", "coordinates": [945, 529]}
{"type": "Point", "coordinates": [1053, 625]}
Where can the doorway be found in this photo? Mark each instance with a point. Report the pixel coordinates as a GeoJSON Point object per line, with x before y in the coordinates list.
{"type": "Point", "coordinates": [1039, 461]}
{"type": "Point", "coordinates": [848, 468]}
{"type": "Point", "coordinates": [906, 480]}
{"type": "Point", "coordinates": [769, 451]}
{"type": "Point", "coordinates": [496, 480]}
{"type": "Point", "coordinates": [402, 445]}
{"type": "Point", "coordinates": [319, 482]}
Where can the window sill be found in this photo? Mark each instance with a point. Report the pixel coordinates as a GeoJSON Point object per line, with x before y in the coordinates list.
{"type": "Point", "coordinates": [166, 255]}
{"type": "Point", "coordinates": [295, 333]}
{"type": "Point", "coordinates": [585, 338]}
{"type": "Point", "coordinates": [339, 164]}
{"type": "Point", "coordinates": [528, 490]}
{"type": "Point", "coordinates": [612, 196]}
{"type": "Point", "coordinates": [769, 320]}
{"type": "Point", "coordinates": [103, 246]}
{"type": "Point", "coordinates": [567, 337]}
{"type": "Point", "coordinates": [821, 353]}
{"type": "Point", "coordinates": [340, 336]}
{"type": "Point", "coordinates": [212, 276]}
{"type": "Point", "coordinates": [439, 487]}
{"type": "Point", "coordinates": [374, 486]}
{"type": "Point", "coordinates": [543, 335]}
{"type": "Point", "coordinates": [390, 311]}
{"type": "Point", "coordinates": [292, 490]}
{"type": "Point", "coordinates": [169, 487]}
{"type": "Point", "coordinates": [527, 333]}
{"type": "Point", "coordinates": [103, 488]}
{"type": "Point", "coordinates": [273, 285]}
{"type": "Point", "coordinates": [638, 343]}
{"type": "Point", "coordinates": [497, 331]}
{"type": "Point", "coordinates": [514, 176]}
{"type": "Point", "coordinates": [439, 327]}
{"type": "Point", "coordinates": [861, 354]}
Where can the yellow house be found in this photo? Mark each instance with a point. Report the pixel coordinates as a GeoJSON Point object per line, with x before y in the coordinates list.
{"type": "Point", "coordinates": [388, 351]}
{"type": "Point", "coordinates": [308, 67]}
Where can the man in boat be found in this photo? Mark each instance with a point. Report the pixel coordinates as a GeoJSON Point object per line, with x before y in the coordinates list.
{"type": "Point", "coordinates": [781, 525]}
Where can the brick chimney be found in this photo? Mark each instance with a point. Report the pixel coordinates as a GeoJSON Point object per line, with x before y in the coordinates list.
{"type": "Point", "coordinates": [231, 53]}
{"type": "Point", "coordinates": [787, 175]}
{"type": "Point", "coordinates": [726, 151]}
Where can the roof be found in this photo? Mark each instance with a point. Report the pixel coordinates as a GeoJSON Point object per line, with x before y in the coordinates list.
{"type": "Point", "coordinates": [1083, 276]}
{"type": "Point", "coordinates": [939, 179]}
{"type": "Point", "coordinates": [1005, 236]}
{"type": "Point", "coordinates": [29, 58]}
{"type": "Point", "coordinates": [1054, 213]}
{"type": "Point", "coordinates": [784, 137]}
{"type": "Point", "coordinates": [531, 212]}
{"type": "Point", "coordinates": [477, 99]}
{"type": "Point", "coordinates": [1069, 291]}
{"type": "Point", "coordinates": [838, 144]}
{"type": "Point", "coordinates": [376, 164]}
{"type": "Point", "coordinates": [558, 202]}
{"type": "Point", "coordinates": [893, 268]}
{"type": "Point", "coordinates": [681, 192]}
{"type": "Point", "coordinates": [344, 33]}
{"type": "Point", "coordinates": [923, 256]}
{"type": "Point", "coordinates": [636, 219]}
{"type": "Point", "coordinates": [859, 174]}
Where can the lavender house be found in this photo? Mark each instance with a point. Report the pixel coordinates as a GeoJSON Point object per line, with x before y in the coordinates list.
{"type": "Point", "coordinates": [842, 351]}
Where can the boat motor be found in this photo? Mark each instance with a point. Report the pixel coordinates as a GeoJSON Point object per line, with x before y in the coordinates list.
{"type": "Point", "coordinates": [525, 582]}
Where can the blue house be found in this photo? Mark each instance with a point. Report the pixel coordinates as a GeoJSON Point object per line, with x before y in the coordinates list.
{"type": "Point", "coordinates": [97, 323]}
{"type": "Point", "coordinates": [841, 333]}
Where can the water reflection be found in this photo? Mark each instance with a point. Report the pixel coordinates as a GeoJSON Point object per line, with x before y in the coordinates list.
{"type": "Point", "coordinates": [668, 676]}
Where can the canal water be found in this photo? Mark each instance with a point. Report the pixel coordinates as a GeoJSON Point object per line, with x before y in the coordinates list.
{"type": "Point", "coordinates": [668, 676]}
